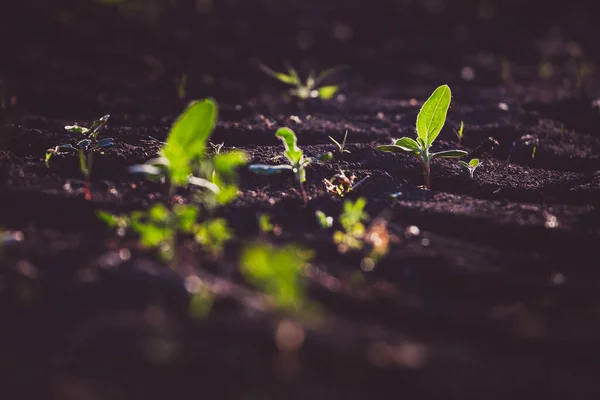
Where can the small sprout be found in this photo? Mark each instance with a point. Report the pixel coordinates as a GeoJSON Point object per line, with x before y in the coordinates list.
{"type": "Point", "coordinates": [341, 148]}
{"type": "Point", "coordinates": [297, 162]}
{"type": "Point", "coordinates": [181, 86]}
{"type": "Point", "coordinates": [340, 184]}
{"type": "Point", "coordinates": [351, 220]}
{"type": "Point", "coordinates": [216, 147]}
{"type": "Point", "coordinates": [264, 223]}
{"type": "Point", "coordinates": [310, 88]}
{"type": "Point", "coordinates": [524, 141]}
{"type": "Point", "coordinates": [430, 121]}
{"type": "Point", "coordinates": [325, 222]}
{"type": "Point", "coordinates": [459, 133]}
{"type": "Point", "coordinates": [505, 72]}
{"type": "Point", "coordinates": [277, 271]}
{"type": "Point", "coordinates": [471, 166]}
{"type": "Point", "coordinates": [85, 148]}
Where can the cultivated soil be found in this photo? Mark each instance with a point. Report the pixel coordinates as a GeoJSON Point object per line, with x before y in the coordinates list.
{"type": "Point", "coordinates": [496, 294]}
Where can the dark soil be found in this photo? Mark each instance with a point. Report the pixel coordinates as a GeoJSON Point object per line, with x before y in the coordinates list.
{"type": "Point", "coordinates": [497, 296]}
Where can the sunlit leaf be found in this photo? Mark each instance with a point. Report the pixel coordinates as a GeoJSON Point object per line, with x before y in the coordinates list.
{"type": "Point", "coordinates": [292, 152]}
{"type": "Point", "coordinates": [432, 115]}
{"type": "Point", "coordinates": [450, 154]}
{"type": "Point", "coordinates": [327, 92]}
{"type": "Point", "coordinates": [269, 169]}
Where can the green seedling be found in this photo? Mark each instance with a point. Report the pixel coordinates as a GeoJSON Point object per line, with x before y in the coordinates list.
{"type": "Point", "coordinates": [459, 133]}
{"type": "Point", "coordinates": [430, 121]}
{"type": "Point", "coordinates": [524, 141]}
{"type": "Point", "coordinates": [264, 223]}
{"type": "Point", "coordinates": [340, 184]}
{"type": "Point", "coordinates": [471, 166]}
{"type": "Point", "coordinates": [297, 162]}
{"type": "Point", "coordinates": [180, 83]}
{"type": "Point", "coordinates": [352, 220]}
{"type": "Point", "coordinates": [341, 148]}
{"type": "Point", "coordinates": [84, 148]}
{"type": "Point", "coordinates": [183, 161]}
{"type": "Point", "coordinates": [325, 222]}
{"type": "Point", "coordinates": [310, 88]}
{"type": "Point", "coordinates": [278, 272]}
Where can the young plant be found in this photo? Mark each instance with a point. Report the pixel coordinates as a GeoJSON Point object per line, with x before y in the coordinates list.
{"type": "Point", "coordinates": [310, 88]}
{"type": "Point", "coordinates": [430, 120]}
{"type": "Point", "coordinates": [471, 166]}
{"type": "Point", "coordinates": [84, 148]}
{"type": "Point", "coordinates": [277, 271]}
{"type": "Point", "coordinates": [524, 141]}
{"type": "Point", "coordinates": [459, 133]}
{"type": "Point", "coordinates": [215, 181]}
{"type": "Point", "coordinates": [341, 148]}
{"type": "Point", "coordinates": [325, 221]}
{"type": "Point", "coordinates": [340, 184]}
{"type": "Point", "coordinates": [297, 162]}
{"type": "Point", "coordinates": [180, 83]}
{"type": "Point", "coordinates": [352, 220]}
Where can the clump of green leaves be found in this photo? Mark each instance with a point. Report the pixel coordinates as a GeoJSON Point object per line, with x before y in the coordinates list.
{"type": "Point", "coordinates": [430, 121]}
{"type": "Point", "coordinates": [341, 147]}
{"type": "Point", "coordinates": [277, 271]}
{"type": "Point", "coordinates": [308, 89]}
{"type": "Point", "coordinates": [297, 162]}
{"type": "Point", "coordinates": [182, 162]}
{"type": "Point", "coordinates": [471, 166]}
{"type": "Point", "coordinates": [460, 132]}
{"type": "Point", "coordinates": [352, 221]}
{"type": "Point", "coordinates": [85, 148]}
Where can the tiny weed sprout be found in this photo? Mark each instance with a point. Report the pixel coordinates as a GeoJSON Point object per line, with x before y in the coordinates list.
{"type": "Point", "coordinates": [180, 83]}
{"type": "Point", "coordinates": [310, 88]}
{"type": "Point", "coordinates": [297, 162]}
{"type": "Point", "coordinates": [183, 161]}
{"type": "Point", "coordinates": [264, 223]}
{"type": "Point", "coordinates": [85, 148]}
{"type": "Point", "coordinates": [341, 148]}
{"type": "Point", "coordinates": [430, 120]}
{"type": "Point", "coordinates": [524, 141]}
{"type": "Point", "coordinates": [459, 133]}
{"type": "Point", "coordinates": [325, 222]}
{"type": "Point", "coordinates": [340, 184]}
{"type": "Point", "coordinates": [278, 272]}
{"type": "Point", "coordinates": [471, 166]}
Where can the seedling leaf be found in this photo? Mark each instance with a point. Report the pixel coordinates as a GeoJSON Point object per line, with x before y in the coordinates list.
{"type": "Point", "coordinates": [292, 151]}
{"type": "Point", "coordinates": [474, 163]}
{"type": "Point", "coordinates": [432, 115]}
{"type": "Point", "coordinates": [188, 136]}
{"type": "Point", "coordinates": [327, 92]}
{"type": "Point", "coordinates": [269, 169]}
{"type": "Point", "coordinates": [450, 154]}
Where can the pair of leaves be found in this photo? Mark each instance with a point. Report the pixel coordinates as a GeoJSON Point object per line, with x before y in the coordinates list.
{"type": "Point", "coordinates": [430, 121]}
{"type": "Point", "coordinates": [294, 155]}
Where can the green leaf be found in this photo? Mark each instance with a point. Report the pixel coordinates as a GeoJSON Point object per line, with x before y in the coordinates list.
{"type": "Point", "coordinates": [392, 148]}
{"type": "Point", "coordinates": [277, 271]}
{"type": "Point", "coordinates": [203, 184]}
{"type": "Point", "coordinates": [97, 125]}
{"type": "Point", "coordinates": [464, 164]}
{"type": "Point", "coordinates": [432, 116]}
{"type": "Point", "coordinates": [264, 223]}
{"type": "Point", "coordinates": [109, 219]}
{"type": "Point", "coordinates": [459, 133]}
{"type": "Point", "coordinates": [188, 136]}
{"type": "Point", "coordinates": [269, 169]}
{"type": "Point", "coordinates": [225, 164]}
{"type": "Point", "coordinates": [186, 216]}
{"type": "Point", "coordinates": [325, 156]}
{"type": "Point", "coordinates": [292, 152]}
{"type": "Point", "coordinates": [280, 76]}
{"type": "Point", "coordinates": [214, 234]}
{"type": "Point", "coordinates": [324, 221]}
{"type": "Point", "coordinates": [158, 213]}
{"type": "Point", "coordinates": [77, 129]}
{"type": "Point", "coordinates": [327, 92]}
{"type": "Point", "coordinates": [474, 163]}
{"type": "Point", "coordinates": [450, 154]}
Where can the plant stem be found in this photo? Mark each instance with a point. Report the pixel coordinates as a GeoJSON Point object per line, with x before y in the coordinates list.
{"type": "Point", "coordinates": [426, 173]}
{"type": "Point", "coordinates": [304, 197]}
